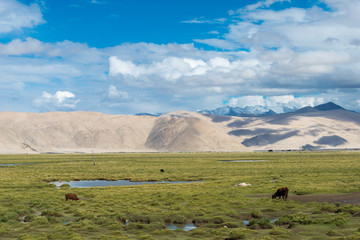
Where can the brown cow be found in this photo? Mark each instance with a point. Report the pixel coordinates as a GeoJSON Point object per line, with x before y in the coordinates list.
{"type": "Point", "coordinates": [281, 193]}
{"type": "Point", "coordinates": [71, 196]}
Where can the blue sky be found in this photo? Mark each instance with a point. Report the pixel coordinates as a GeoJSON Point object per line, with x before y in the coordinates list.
{"type": "Point", "coordinates": [126, 57]}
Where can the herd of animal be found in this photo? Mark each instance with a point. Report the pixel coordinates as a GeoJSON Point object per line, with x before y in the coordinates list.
{"type": "Point", "coordinates": [280, 193]}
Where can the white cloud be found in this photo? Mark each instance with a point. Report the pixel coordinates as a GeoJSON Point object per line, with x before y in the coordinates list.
{"type": "Point", "coordinates": [304, 29]}
{"type": "Point", "coordinates": [276, 103]}
{"type": "Point", "coordinates": [203, 20]}
{"type": "Point", "coordinates": [61, 100]}
{"type": "Point", "coordinates": [15, 16]}
{"type": "Point", "coordinates": [173, 69]}
{"type": "Point", "coordinates": [19, 47]}
{"type": "Point", "coordinates": [245, 101]}
{"type": "Point", "coordinates": [113, 93]}
{"type": "Point", "coordinates": [261, 4]}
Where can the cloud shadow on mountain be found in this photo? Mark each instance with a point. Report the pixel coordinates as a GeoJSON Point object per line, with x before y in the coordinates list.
{"type": "Point", "coordinates": [218, 118]}
{"type": "Point", "coordinates": [239, 123]}
{"type": "Point", "coordinates": [331, 141]}
{"type": "Point", "coordinates": [247, 132]}
{"type": "Point", "coordinates": [268, 138]}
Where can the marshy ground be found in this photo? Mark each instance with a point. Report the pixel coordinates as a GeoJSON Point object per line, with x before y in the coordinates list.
{"type": "Point", "coordinates": [323, 200]}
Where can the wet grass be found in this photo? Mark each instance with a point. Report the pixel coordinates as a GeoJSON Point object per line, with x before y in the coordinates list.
{"type": "Point", "coordinates": [31, 208]}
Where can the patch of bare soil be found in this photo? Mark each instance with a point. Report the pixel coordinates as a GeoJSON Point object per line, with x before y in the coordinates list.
{"type": "Point", "coordinates": [349, 198]}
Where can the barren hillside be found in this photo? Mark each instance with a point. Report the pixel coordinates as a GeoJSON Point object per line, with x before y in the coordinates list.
{"type": "Point", "coordinates": [176, 131]}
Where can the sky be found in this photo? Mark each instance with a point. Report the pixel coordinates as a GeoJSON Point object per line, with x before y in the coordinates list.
{"type": "Point", "coordinates": [135, 56]}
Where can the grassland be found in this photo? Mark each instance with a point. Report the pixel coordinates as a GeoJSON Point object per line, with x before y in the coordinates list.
{"type": "Point", "coordinates": [31, 208]}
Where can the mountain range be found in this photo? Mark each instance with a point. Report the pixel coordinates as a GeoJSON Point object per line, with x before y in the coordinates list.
{"type": "Point", "coordinates": [260, 111]}
{"type": "Point", "coordinates": [327, 126]}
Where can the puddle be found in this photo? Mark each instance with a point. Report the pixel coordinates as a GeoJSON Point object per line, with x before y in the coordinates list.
{"type": "Point", "coordinates": [247, 222]}
{"type": "Point", "coordinates": [29, 163]}
{"type": "Point", "coordinates": [106, 183]}
{"type": "Point", "coordinates": [68, 222]}
{"type": "Point", "coordinates": [244, 160]}
{"type": "Point", "coordinates": [185, 227]}
{"type": "Point", "coordinates": [14, 164]}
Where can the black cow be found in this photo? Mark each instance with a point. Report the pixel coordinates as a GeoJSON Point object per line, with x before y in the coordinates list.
{"type": "Point", "coordinates": [281, 193]}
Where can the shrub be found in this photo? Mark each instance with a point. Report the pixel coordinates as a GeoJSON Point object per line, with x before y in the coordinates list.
{"type": "Point", "coordinates": [333, 233]}
{"type": "Point", "coordinates": [340, 219]}
{"type": "Point", "coordinates": [198, 232]}
{"type": "Point", "coordinates": [51, 213]}
{"type": "Point", "coordinates": [263, 223]}
{"type": "Point", "coordinates": [179, 219]}
{"type": "Point", "coordinates": [301, 218]}
{"type": "Point", "coordinates": [8, 216]}
{"type": "Point", "coordinates": [145, 237]}
{"type": "Point", "coordinates": [65, 186]}
{"type": "Point", "coordinates": [40, 221]}
{"type": "Point", "coordinates": [29, 218]}
{"type": "Point", "coordinates": [27, 237]}
{"type": "Point", "coordinates": [349, 209]}
{"type": "Point", "coordinates": [3, 228]}
{"type": "Point", "coordinates": [208, 219]}
{"type": "Point", "coordinates": [237, 234]}
{"type": "Point", "coordinates": [120, 217]}
{"type": "Point", "coordinates": [279, 231]}
{"type": "Point", "coordinates": [284, 220]}
{"type": "Point", "coordinates": [256, 214]}
{"type": "Point", "coordinates": [85, 225]}
{"type": "Point", "coordinates": [328, 207]}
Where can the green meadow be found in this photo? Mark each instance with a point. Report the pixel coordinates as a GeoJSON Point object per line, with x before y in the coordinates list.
{"type": "Point", "coordinates": [31, 208]}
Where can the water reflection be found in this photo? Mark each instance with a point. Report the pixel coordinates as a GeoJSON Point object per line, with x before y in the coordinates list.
{"type": "Point", "coordinates": [14, 164]}
{"type": "Point", "coordinates": [106, 183]}
{"type": "Point", "coordinates": [243, 160]}
{"type": "Point", "coordinates": [247, 222]}
{"type": "Point", "coordinates": [185, 227]}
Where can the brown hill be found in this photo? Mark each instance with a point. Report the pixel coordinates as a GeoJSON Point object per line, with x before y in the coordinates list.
{"type": "Point", "coordinates": [175, 131]}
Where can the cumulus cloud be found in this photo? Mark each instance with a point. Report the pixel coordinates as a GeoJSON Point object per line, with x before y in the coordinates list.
{"type": "Point", "coordinates": [61, 100]}
{"type": "Point", "coordinates": [173, 69]}
{"type": "Point", "coordinates": [21, 47]}
{"type": "Point", "coordinates": [15, 15]}
{"type": "Point", "coordinates": [114, 93]}
{"type": "Point", "coordinates": [257, 26]}
{"type": "Point", "coordinates": [30, 64]}
{"type": "Point", "coordinates": [276, 103]}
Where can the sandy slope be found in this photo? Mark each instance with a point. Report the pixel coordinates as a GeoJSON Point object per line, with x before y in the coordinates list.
{"type": "Point", "coordinates": [175, 131]}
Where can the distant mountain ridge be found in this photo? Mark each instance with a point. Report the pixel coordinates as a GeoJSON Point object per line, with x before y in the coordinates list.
{"type": "Point", "coordinates": [328, 107]}
{"type": "Point", "coordinates": [257, 111]}
{"type": "Point", "coordinates": [261, 111]}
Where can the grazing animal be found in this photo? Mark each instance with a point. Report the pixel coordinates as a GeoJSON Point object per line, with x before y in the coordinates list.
{"type": "Point", "coordinates": [243, 184]}
{"type": "Point", "coordinates": [162, 170]}
{"type": "Point", "coordinates": [281, 193]}
{"type": "Point", "coordinates": [71, 196]}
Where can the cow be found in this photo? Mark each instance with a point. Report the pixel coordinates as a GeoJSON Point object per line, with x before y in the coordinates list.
{"type": "Point", "coordinates": [162, 170]}
{"type": "Point", "coordinates": [71, 196]}
{"type": "Point", "coordinates": [281, 193]}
